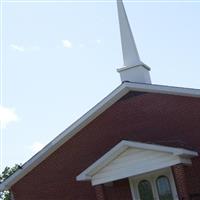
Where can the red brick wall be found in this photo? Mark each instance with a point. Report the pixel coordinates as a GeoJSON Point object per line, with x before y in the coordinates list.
{"type": "Point", "coordinates": [100, 193]}
{"type": "Point", "coordinates": [193, 177]}
{"type": "Point", "coordinates": [187, 180]}
{"type": "Point", "coordinates": [179, 173]}
{"type": "Point", "coordinates": [157, 118]}
{"type": "Point", "coordinates": [119, 190]}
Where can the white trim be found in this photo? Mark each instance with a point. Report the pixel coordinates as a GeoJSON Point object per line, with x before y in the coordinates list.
{"type": "Point", "coordinates": [113, 97]}
{"type": "Point", "coordinates": [65, 136]}
{"type": "Point", "coordinates": [131, 188]}
{"type": "Point", "coordinates": [173, 185]}
{"type": "Point", "coordinates": [162, 89]}
{"type": "Point", "coordinates": [182, 156]}
{"type": "Point", "coordinates": [126, 68]}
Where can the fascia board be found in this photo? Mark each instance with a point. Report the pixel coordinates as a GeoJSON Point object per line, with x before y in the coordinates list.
{"type": "Point", "coordinates": [131, 172]}
{"type": "Point", "coordinates": [180, 91]}
{"type": "Point", "coordinates": [103, 161]}
{"type": "Point", "coordinates": [121, 147]}
{"type": "Point", "coordinates": [88, 117]}
{"type": "Point", "coordinates": [156, 147]}
{"type": "Point", "coordinates": [185, 153]}
{"type": "Point", "coordinates": [65, 135]}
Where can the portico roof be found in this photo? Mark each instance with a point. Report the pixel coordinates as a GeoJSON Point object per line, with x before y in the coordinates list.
{"type": "Point", "coordinates": [130, 158]}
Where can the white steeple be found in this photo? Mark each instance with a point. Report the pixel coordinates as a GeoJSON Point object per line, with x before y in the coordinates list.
{"type": "Point", "coordinates": [133, 70]}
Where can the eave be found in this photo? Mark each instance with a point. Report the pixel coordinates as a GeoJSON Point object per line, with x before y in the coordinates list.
{"type": "Point", "coordinates": [163, 156]}
{"type": "Point", "coordinates": [99, 108]}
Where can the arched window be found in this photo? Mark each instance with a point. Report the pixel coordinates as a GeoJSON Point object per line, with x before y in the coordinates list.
{"type": "Point", "coordinates": [145, 190]}
{"type": "Point", "coordinates": [164, 188]}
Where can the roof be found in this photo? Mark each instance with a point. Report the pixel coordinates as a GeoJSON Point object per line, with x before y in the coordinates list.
{"type": "Point", "coordinates": [99, 108]}
{"type": "Point", "coordinates": [127, 158]}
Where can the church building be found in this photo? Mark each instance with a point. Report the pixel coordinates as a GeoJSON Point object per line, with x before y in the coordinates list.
{"type": "Point", "coordinates": [141, 142]}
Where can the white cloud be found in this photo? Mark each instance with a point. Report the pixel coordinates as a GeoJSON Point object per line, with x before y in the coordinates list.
{"type": "Point", "coordinates": [17, 47]}
{"type": "Point", "coordinates": [98, 41]}
{"type": "Point", "coordinates": [36, 146]}
{"type": "Point", "coordinates": [81, 45]}
{"type": "Point", "coordinates": [34, 48]}
{"type": "Point", "coordinates": [23, 49]}
{"type": "Point", "coordinates": [7, 115]}
{"type": "Point", "coordinates": [67, 44]}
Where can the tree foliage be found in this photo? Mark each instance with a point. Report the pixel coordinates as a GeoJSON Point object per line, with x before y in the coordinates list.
{"type": "Point", "coordinates": [8, 171]}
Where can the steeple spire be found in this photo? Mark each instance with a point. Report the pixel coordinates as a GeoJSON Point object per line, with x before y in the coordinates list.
{"type": "Point", "coordinates": [134, 70]}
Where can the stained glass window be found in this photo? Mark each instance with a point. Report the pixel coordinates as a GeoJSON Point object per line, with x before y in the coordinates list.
{"type": "Point", "coordinates": [164, 188]}
{"type": "Point", "coordinates": [145, 190]}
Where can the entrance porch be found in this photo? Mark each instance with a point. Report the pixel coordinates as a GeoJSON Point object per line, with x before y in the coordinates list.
{"type": "Point", "coordinates": [140, 171]}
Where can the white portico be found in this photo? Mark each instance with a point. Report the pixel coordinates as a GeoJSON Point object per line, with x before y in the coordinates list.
{"type": "Point", "coordinates": [141, 163]}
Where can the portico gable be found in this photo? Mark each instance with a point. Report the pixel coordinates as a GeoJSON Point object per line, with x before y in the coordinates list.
{"type": "Point", "coordinates": [128, 159]}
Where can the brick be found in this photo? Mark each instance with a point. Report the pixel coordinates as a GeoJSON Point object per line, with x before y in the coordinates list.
{"type": "Point", "coordinates": [181, 181]}
{"type": "Point", "coordinates": [145, 117]}
{"type": "Point", "coordinates": [100, 192]}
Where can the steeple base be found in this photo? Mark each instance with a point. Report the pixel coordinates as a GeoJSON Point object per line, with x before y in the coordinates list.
{"type": "Point", "coordinates": [138, 74]}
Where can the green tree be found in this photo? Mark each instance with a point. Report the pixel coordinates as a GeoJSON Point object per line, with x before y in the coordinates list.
{"type": "Point", "coordinates": [8, 171]}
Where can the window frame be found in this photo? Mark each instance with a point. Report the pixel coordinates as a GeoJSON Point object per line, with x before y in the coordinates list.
{"type": "Point", "coordinates": [149, 184]}
{"type": "Point", "coordinates": [152, 177]}
{"type": "Point", "coordinates": [168, 182]}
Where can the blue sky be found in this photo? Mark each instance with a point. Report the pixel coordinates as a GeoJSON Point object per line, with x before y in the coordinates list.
{"type": "Point", "coordinates": [60, 59]}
